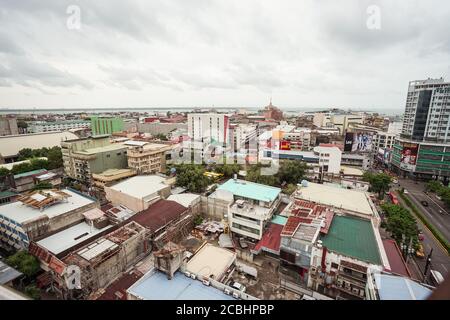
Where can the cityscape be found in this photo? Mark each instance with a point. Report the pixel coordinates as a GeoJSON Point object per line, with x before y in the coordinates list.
{"type": "Point", "coordinates": [278, 194]}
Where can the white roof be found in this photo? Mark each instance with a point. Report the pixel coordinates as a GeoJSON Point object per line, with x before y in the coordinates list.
{"type": "Point", "coordinates": [97, 248]}
{"type": "Point", "coordinates": [141, 186]}
{"type": "Point", "coordinates": [66, 239]}
{"type": "Point", "coordinates": [352, 200]}
{"type": "Point", "coordinates": [11, 145]}
{"type": "Point", "coordinates": [9, 166]}
{"type": "Point", "coordinates": [21, 213]}
{"type": "Point", "coordinates": [185, 199]}
{"type": "Point", "coordinates": [211, 260]}
{"type": "Point", "coordinates": [135, 143]}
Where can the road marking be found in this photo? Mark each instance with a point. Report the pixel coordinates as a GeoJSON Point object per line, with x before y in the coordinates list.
{"type": "Point", "coordinates": [436, 203]}
{"type": "Point", "coordinates": [445, 268]}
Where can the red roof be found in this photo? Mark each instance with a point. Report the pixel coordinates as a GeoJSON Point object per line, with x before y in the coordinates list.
{"type": "Point", "coordinates": [271, 239]}
{"type": "Point", "coordinates": [159, 214]}
{"type": "Point", "coordinates": [328, 218]}
{"type": "Point", "coordinates": [118, 289]}
{"type": "Point", "coordinates": [395, 258]}
{"type": "Point", "coordinates": [292, 224]}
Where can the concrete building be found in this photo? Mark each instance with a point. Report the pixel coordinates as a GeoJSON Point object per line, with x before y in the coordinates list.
{"type": "Point", "coordinates": [145, 158]}
{"type": "Point", "coordinates": [27, 180]}
{"type": "Point", "coordinates": [155, 128]}
{"type": "Point", "coordinates": [213, 126]}
{"type": "Point", "coordinates": [47, 126]}
{"type": "Point", "coordinates": [111, 176]}
{"type": "Point", "coordinates": [247, 206]}
{"type": "Point", "coordinates": [272, 112]}
{"type": "Point", "coordinates": [40, 213]}
{"type": "Point", "coordinates": [84, 157]}
{"type": "Point", "coordinates": [11, 145]}
{"type": "Point", "coordinates": [8, 126]}
{"type": "Point", "coordinates": [422, 150]}
{"type": "Point", "coordinates": [106, 125]}
{"type": "Point", "coordinates": [337, 120]}
{"type": "Point", "coordinates": [137, 193]}
{"type": "Point", "coordinates": [359, 160]}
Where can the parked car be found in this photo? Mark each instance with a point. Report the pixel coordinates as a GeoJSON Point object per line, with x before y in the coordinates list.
{"type": "Point", "coordinates": [424, 203]}
{"type": "Point", "coordinates": [238, 286]}
{"type": "Point", "coordinates": [420, 253]}
{"type": "Point", "coordinates": [405, 191]}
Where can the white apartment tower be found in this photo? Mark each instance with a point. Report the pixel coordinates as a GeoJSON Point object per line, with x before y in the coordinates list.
{"type": "Point", "coordinates": [213, 126]}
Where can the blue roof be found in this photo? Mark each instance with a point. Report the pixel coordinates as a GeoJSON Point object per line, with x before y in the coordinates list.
{"type": "Point", "coordinates": [251, 190]}
{"type": "Point", "coordinates": [156, 286]}
{"type": "Point", "coordinates": [279, 219]}
{"type": "Point", "coordinates": [400, 288]}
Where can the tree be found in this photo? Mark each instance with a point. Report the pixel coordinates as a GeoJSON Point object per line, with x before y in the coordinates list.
{"type": "Point", "coordinates": [54, 157]}
{"type": "Point", "coordinates": [24, 262]}
{"type": "Point", "coordinates": [25, 154]}
{"type": "Point", "coordinates": [191, 177]}
{"type": "Point", "coordinates": [228, 170]}
{"type": "Point", "coordinates": [160, 136]}
{"type": "Point", "coordinates": [42, 186]}
{"type": "Point", "coordinates": [33, 292]}
{"type": "Point", "coordinates": [254, 175]}
{"type": "Point", "coordinates": [379, 183]}
{"type": "Point", "coordinates": [4, 172]}
{"type": "Point", "coordinates": [400, 223]}
{"type": "Point", "coordinates": [290, 189]}
{"type": "Point", "coordinates": [291, 171]}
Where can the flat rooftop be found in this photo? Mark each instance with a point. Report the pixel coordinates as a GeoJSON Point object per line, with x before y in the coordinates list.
{"type": "Point", "coordinates": [352, 237]}
{"type": "Point", "coordinates": [156, 286]}
{"type": "Point", "coordinates": [399, 288]}
{"type": "Point", "coordinates": [110, 147]}
{"type": "Point", "coordinates": [250, 190]}
{"type": "Point", "coordinates": [353, 200]}
{"type": "Point", "coordinates": [69, 237]}
{"type": "Point", "coordinates": [185, 199]}
{"type": "Point", "coordinates": [211, 261]}
{"type": "Point", "coordinates": [141, 186]}
{"type": "Point", "coordinates": [21, 213]}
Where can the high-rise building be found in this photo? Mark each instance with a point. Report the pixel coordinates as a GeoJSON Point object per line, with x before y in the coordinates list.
{"type": "Point", "coordinates": [214, 126]}
{"type": "Point", "coordinates": [423, 148]}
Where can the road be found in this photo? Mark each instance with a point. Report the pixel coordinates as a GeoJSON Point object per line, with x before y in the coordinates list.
{"type": "Point", "coordinates": [440, 260]}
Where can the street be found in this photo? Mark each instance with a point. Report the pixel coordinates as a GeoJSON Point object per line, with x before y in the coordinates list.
{"type": "Point", "coordinates": [440, 259]}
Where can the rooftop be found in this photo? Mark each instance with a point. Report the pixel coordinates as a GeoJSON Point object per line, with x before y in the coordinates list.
{"type": "Point", "coordinates": [69, 237]}
{"type": "Point", "coordinates": [352, 237]}
{"type": "Point", "coordinates": [185, 199]}
{"type": "Point", "coordinates": [30, 173]}
{"type": "Point", "coordinates": [159, 214]}
{"type": "Point", "coordinates": [8, 273]}
{"type": "Point", "coordinates": [250, 190]}
{"type": "Point", "coordinates": [396, 261]}
{"type": "Point", "coordinates": [20, 213]}
{"type": "Point", "coordinates": [392, 287]}
{"type": "Point", "coordinates": [211, 261]}
{"type": "Point", "coordinates": [156, 286]}
{"type": "Point", "coordinates": [141, 186]}
{"type": "Point", "coordinates": [353, 200]}
{"type": "Point", "coordinates": [271, 240]}
{"type": "Point", "coordinates": [109, 147]}
{"type": "Point", "coordinates": [11, 145]}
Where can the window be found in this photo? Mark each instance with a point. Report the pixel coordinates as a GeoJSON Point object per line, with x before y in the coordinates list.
{"type": "Point", "coordinates": [334, 265]}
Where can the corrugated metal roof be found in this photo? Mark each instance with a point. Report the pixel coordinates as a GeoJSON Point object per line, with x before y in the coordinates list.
{"type": "Point", "coordinates": [250, 190]}
{"type": "Point", "coordinates": [8, 273]}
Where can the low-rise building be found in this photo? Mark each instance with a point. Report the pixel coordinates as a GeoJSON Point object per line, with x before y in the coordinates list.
{"type": "Point", "coordinates": [145, 157]}
{"type": "Point", "coordinates": [36, 215]}
{"type": "Point", "coordinates": [138, 192]}
{"type": "Point", "coordinates": [84, 157]}
{"type": "Point", "coordinates": [27, 180]}
{"type": "Point", "coordinates": [47, 126]}
{"type": "Point", "coordinates": [111, 176]}
{"type": "Point", "coordinates": [249, 205]}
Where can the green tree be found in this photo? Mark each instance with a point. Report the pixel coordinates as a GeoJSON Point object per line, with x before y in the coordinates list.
{"type": "Point", "coordinates": [228, 170]}
{"type": "Point", "coordinates": [54, 157]}
{"type": "Point", "coordinates": [42, 186]}
{"type": "Point", "coordinates": [33, 292]}
{"type": "Point", "coordinates": [192, 177]}
{"type": "Point", "coordinates": [254, 175]}
{"type": "Point", "coordinates": [290, 189]}
{"type": "Point", "coordinates": [24, 262]}
{"type": "Point", "coordinates": [291, 171]}
{"type": "Point", "coordinates": [21, 168]}
{"type": "Point", "coordinates": [160, 136]}
{"type": "Point", "coordinates": [25, 154]}
{"type": "Point", "coordinates": [379, 183]}
{"type": "Point", "coordinates": [400, 223]}
{"type": "Point", "coordinates": [4, 172]}
{"type": "Point", "coordinates": [37, 163]}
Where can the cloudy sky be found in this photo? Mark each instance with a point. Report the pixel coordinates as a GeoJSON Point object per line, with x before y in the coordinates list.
{"type": "Point", "coordinates": [203, 53]}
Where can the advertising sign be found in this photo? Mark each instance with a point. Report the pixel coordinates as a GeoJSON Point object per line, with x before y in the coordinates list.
{"type": "Point", "coordinates": [348, 141]}
{"type": "Point", "coordinates": [358, 141]}
{"type": "Point", "coordinates": [285, 145]}
{"type": "Point", "coordinates": [409, 156]}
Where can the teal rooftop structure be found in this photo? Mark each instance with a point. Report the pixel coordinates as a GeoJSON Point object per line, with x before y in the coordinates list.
{"type": "Point", "coordinates": [251, 190]}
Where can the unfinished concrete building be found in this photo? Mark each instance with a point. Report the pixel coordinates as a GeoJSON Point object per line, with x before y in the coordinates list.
{"type": "Point", "coordinates": [169, 258]}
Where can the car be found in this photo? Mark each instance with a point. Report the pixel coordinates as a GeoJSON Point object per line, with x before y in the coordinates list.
{"type": "Point", "coordinates": [424, 203]}
{"type": "Point", "coordinates": [238, 286]}
{"type": "Point", "coordinates": [421, 236]}
{"type": "Point", "coordinates": [420, 253]}
{"type": "Point", "coordinates": [242, 243]}
{"type": "Point", "coordinates": [405, 191]}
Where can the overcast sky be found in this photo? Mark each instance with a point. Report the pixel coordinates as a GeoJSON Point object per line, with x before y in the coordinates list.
{"type": "Point", "coordinates": [189, 53]}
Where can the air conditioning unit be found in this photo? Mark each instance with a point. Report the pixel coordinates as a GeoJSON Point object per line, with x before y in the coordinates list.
{"type": "Point", "coordinates": [187, 274]}
{"type": "Point", "coordinates": [236, 295]}
{"type": "Point", "coordinates": [206, 282]}
{"type": "Point", "coordinates": [227, 291]}
{"type": "Point", "coordinates": [193, 276]}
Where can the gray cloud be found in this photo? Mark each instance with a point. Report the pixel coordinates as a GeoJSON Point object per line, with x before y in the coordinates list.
{"type": "Point", "coordinates": [232, 53]}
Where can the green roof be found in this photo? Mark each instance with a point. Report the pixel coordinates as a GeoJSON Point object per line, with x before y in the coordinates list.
{"type": "Point", "coordinates": [6, 194]}
{"type": "Point", "coordinates": [352, 237]}
{"type": "Point", "coordinates": [251, 190]}
{"type": "Point", "coordinates": [29, 173]}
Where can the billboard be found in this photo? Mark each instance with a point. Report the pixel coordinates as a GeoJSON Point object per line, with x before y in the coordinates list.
{"type": "Point", "coordinates": [409, 156]}
{"type": "Point", "coordinates": [285, 145]}
{"type": "Point", "coordinates": [358, 141]}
